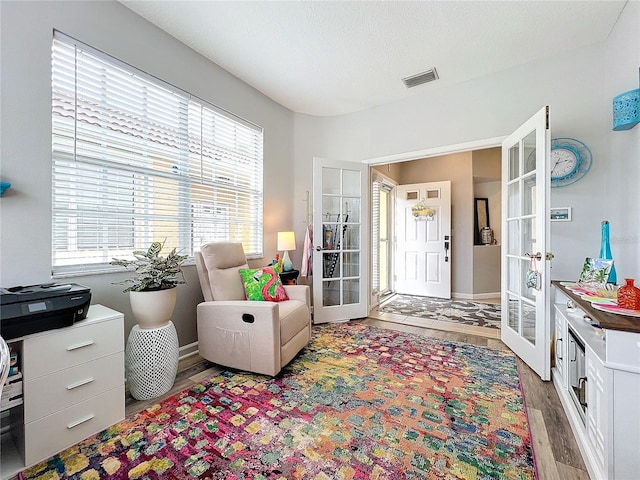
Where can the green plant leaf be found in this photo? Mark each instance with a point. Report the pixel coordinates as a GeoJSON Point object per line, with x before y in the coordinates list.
{"type": "Point", "coordinates": [150, 271]}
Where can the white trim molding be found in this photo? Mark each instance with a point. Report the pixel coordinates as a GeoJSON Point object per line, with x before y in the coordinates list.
{"type": "Point", "coordinates": [435, 151]}
{"type": "Point", "coordinates": [475, 296]}
{"type": "Point", "coordinates": [187, 351]}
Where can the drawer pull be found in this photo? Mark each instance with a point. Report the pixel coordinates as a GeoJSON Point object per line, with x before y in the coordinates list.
{"type": "Point", "coordinates": [80, 383]}
{"type": "Point", "coordinates": [81, 421]}
{"type": "Point", "coordinates": [80, 345]}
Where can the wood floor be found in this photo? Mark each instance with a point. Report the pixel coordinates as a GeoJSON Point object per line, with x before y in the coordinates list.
{"type": "Point", "coordinates": [556, 452]}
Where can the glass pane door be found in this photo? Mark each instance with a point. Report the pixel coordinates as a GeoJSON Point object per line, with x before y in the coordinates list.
{"type": "Point", "coordinates": [521, 227]}
{"type": "Point", "coordinates": [341, 213]}
{"type": "Point", "coordinates": [525, 271]}
{"type": "Point", "coordinates": [340, 247]}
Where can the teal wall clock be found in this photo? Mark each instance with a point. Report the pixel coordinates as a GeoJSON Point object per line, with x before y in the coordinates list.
{"type": "Point", "coordinates": [570, 161]}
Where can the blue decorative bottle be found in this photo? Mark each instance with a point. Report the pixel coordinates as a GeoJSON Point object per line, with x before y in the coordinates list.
{"type": "Point", "coordinates": [605, 251]}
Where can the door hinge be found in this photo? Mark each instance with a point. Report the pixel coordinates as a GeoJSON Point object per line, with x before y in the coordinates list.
{"type": "Point", "coordinates": [547, 117]}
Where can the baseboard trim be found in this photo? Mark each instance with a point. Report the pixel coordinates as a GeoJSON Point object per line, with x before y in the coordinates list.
{"type": "Point", "coordinates": [187, 351]}
{"type": "Point", "coordinates": [482, 296]}
{"type": "Point", "coordinates": [475, 296]}
{"type": "Point", "coordinates": [464, 296]}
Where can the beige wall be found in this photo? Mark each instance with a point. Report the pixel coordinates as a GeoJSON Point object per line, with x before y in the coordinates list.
{"type": "Point", "coordinates": [487, 163]}
{"type": "Point", "coordinates": [487, 184]}
{"type": "Point", "coordinates": [486, 271]}
{"type": "Point", "coordinates": [487, 174]}
{"type": "Point", "coordinates": [391, 170]}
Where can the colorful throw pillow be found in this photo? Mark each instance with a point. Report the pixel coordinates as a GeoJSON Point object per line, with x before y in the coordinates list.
{"type": "Point", "coordinates": [263, 284]}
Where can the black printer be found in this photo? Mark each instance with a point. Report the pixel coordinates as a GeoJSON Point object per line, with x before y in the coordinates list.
{"type": "Point", "coordinates": [36, 308]}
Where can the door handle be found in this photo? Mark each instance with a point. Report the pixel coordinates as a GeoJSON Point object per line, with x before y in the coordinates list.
{"type": "Point", "coordinates": [318, 249]}
{"type": "Point", "coordinates": [446, 247]}
{"type": "Point", "coordinates": [537, 256]}
{"type": "Point", "coordinates": [582, 383]}
{"type": "Point", "coordinates": [557, 349]}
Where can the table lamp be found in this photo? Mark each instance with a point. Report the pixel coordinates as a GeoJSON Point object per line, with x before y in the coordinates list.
{"type": "Point", "coordinates": [286, 242]}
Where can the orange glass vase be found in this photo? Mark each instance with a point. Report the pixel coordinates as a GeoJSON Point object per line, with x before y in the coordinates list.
{"type": "Point", "coordinates": [629, 295]}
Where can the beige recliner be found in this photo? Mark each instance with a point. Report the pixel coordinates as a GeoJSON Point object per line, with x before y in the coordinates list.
{"type": "Point", "coordinates": [260, 337]}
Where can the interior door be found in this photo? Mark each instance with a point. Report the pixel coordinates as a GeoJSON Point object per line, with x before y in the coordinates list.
{"type": "Point", "coordinates": [341, 240]}
{"type": "Point", "coordinates": [525, 326]}
{"type": "Point", "coordinates": [423, 239]}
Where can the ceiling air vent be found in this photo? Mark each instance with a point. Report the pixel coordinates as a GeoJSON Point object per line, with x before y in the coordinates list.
{"type": "Point", "coordinates": [420, 78]}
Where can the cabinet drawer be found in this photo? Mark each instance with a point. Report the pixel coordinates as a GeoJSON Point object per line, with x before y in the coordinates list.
{"type": "Point", "coordinates": [559, 347]}
{"type": "Point", "coordinates": [49, 435]}
{"type": "Point", "coordinates": [48, 394]}
{"type": "Point", "coordinates": [623, 350]}
{"type": "Point", "coordinates": [71, 346]}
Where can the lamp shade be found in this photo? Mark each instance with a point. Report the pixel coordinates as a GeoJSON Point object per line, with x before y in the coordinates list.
{"type": "Point", "coordinates": [286, 241]}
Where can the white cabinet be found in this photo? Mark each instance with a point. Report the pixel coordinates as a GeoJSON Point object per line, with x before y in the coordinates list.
{"type": "Point", "coordinates": [608, 433]}
{"type": "Point", "coordinates": [73, 387]}
{"type": "Point", "coordinates": [596, 414]}
{"type": "Point", "coordinates": [623, 362]}
{"type": "Point", "coordinates": [560, 347]}
{"type": "Point", "coordinates": [581, 354]}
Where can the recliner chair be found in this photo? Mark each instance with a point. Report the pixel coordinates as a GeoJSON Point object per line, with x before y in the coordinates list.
{"type": "Point", "coordinates": [259, 337]}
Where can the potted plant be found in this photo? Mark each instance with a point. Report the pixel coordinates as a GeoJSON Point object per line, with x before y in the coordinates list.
{"type": "Point", "coordinates": [153, 286]}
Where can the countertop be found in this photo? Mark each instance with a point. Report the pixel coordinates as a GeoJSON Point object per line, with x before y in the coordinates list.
{"type": "Point", "coordinates": [609, 321]}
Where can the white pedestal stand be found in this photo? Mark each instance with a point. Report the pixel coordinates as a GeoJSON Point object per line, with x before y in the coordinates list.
{"type": "Point", "coordinates": [151, 360]}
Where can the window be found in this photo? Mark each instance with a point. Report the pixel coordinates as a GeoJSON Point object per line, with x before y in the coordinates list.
{"type": "Point", "coordinates": [381, 188]}
{"type": "Point", "coordinates": [136, 160]}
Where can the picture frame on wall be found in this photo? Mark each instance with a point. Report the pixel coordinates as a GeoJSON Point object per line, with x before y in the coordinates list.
{"type": "Point", "coordinates": [560, 214]}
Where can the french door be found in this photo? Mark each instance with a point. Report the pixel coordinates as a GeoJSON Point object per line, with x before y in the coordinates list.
{"type": "Point", "coordinates": [525, 325]}
{"type": "Point", "coordinates": [341, 240]}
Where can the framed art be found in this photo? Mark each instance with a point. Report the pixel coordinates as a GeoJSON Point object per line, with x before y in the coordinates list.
{"type": "Point", "coordinates": [560, 214]}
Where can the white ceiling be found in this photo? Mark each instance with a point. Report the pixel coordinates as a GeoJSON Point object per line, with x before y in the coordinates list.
{"type": "Point", "coordinates": [337, 57]}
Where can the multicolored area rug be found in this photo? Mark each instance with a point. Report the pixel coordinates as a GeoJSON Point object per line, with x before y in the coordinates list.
{"type": "Point", "coordinates": [358, 403]}
{"type": "Point", "coordinates": [468, 313]}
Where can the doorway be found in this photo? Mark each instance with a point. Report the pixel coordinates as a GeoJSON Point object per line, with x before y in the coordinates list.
{"type": "Point", "coordinates": [473, 172]}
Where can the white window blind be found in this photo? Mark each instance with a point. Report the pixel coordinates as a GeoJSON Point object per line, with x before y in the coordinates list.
{"type": "Point", "coordinates": [375, 237]}
{"type": "Point", "coordinates": [380, 189]}
{"type": "Point", "coordinates": [136, 160]}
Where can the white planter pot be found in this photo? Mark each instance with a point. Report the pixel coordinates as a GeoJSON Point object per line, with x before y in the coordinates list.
{"type": "Point", "coordinates": [153, 309]}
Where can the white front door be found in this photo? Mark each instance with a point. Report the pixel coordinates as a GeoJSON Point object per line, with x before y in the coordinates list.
{"type": "Point", "coordinates": [525, 326]}
{"type": "Point", "coordinates": [423, 239]}
{"type": "Point", "coordinates": [341, 240]}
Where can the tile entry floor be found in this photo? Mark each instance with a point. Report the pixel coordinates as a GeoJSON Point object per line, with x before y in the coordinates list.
{"type": "Point", "coordinates": [437, 324]}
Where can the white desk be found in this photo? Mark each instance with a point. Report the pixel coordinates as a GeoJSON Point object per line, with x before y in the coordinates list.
{"type": "Point", "coordinates": [73, 388]}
